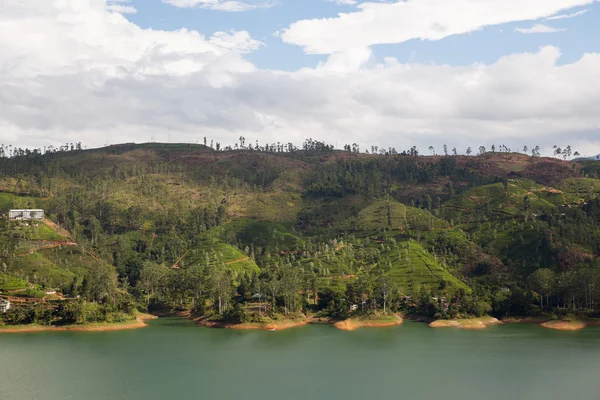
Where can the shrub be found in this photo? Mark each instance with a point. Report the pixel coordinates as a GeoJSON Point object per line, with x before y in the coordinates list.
{"type": "Point", "coordinates": [236, 314]}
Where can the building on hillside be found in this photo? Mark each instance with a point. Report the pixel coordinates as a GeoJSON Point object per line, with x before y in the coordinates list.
{"type": "Point", "coordinates": [4, 305]}
{"type": "Point", "coordinates": [25, 215]}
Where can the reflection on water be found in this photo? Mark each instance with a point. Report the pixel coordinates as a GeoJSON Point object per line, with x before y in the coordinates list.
{"type": "Point", "coordinates": [175, 359]}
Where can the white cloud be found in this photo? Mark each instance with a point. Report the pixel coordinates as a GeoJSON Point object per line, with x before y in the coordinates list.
{"type": "Point", "coordinates": [347, 61]}
{"type": "Point", "coordinates": [343, 2]}
{"type": "Point", "coordinates": [221, 5]}
{"type": "Point", "coordinates": [121, 9]}
{"type": "Point", "coordinates": [566, 16]}
{"type": "Point", "coordinates": [380, 23]}
{"type": "Point", "coordinates": [93, 77]}
{"type": "Point", "coordinates": [539, 28]}
{"type": "Point", "coordinates": [71, 36]}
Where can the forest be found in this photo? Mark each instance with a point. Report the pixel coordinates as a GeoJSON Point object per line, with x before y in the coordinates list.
{"type": "Point", "coordinates": [253, 233]}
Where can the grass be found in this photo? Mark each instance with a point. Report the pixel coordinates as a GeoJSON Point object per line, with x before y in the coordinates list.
{"type": "Point", "coordinates": [41, 270]}
{"type": "Point", "coordinates": [91, 326]}
{"type": "Point", "coordinates": [584, 188]}
{"type": "Point", "coordinates": [409, 264]}
{"type": "Point", "coordinates": [56, 267]}
{"type": "Point", "coordinates": [72, 259]}
{"type": "Point", "coordinates": [35, 231]}
{"type": "Point", "coordinates": [220, 253]}
{"type": "Point", "coordinates": [388, 214]}
{"type": "Point", "coordinates": [7, 200]}
{"type": "Point", "coordinates": [376, 317]}
{"type": "Point", "coordinates": [8, 282]}
{"type": "Point", "coordinates": [272, 237]}
{"type": "Point", "coordinates": [495, 203]}
{"type": "Point", "coordinates": [280, 207]}
{"type": "Point", "coordinates": [412, 265]}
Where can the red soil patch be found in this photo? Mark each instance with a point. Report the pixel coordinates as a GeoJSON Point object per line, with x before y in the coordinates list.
{"type": "Point", "coordinates": [353, 324]}
{"type": "Point", "coordinates": [564, 325]}
{"type": "Point", "coordinates": [277, 325]}
{"type": "Point", "coordinates": [476, 323]}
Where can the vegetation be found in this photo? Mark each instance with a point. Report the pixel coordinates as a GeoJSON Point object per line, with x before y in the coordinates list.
{"type": "Point", "coordinates": [253, 233]}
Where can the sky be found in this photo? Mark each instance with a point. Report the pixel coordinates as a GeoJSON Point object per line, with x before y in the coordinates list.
{"type": "Point", "coordinates": [465, 73]}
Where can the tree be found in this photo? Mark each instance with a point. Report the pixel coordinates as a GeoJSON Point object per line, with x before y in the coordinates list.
{"type": "Point", "coordinates": [291, 284]}
{"type": "Point", "coordinates": [385, 287]}
{"type": "Point", "coordinates": [102, 282]}
{"type": "Point", "coordinates": [151, 277]}
{"type": "Point", "coordinates": [220, 284]}
{"type": "Point", "coordinates": [542, 281]}
{"type": "Point", "coordinates": [557, 150]}
{"type": "Point", "coordinates": [469, 151]}
{"type": "Point", "coordinates": [432, 150]}
{"type": "Point", "coordinates": [364, 287]}
{"type": "Point", "coordinates": [445, 150]}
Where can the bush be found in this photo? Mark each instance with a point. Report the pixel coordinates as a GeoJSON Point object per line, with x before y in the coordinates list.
{"type": "Point", "coordinates": [236, 314]}
{"type": "Point", "coordinates": [482, 308]}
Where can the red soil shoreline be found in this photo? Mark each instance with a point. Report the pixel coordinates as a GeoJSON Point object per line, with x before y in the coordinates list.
{"type": "Point", "coordinates": [104, 327]}
{"type": "Point", "coordinates": [353, 324]}
{"type": "Point", "coordinates": [559, 325]}
{"type": "Point", "coordinates": [345, 325]}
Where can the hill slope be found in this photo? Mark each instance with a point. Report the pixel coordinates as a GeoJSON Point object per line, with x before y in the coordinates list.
{"type": "Point", "coordinates": [455, 226]}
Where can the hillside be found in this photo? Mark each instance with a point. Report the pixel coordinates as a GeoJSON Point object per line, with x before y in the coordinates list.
{"type": "Point", "coordinates": [471, 230]}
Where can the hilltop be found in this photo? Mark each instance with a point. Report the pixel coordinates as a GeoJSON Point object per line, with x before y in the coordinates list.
{"type": "Point", "coordinates": [305, 229]}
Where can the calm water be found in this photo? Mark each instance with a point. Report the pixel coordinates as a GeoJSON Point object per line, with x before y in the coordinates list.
{"type": "Point", "coordinates": [173, 359]}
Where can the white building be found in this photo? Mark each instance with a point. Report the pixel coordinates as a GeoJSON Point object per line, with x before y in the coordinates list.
{"type": "Point", "coordinates": [4, 305]}
{"type": "Point", "coordinates": [25, 215]}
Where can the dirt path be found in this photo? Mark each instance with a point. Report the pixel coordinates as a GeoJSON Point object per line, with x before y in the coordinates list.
{"type": "Point", "coordinates": [45, 244]}
{"type": "Point", "coordinates": [176, 265]}
{"type": "Point", "coordinates": [56, 228]}
{"type": "Point", "coordinates": [95, 257]}
{"type": "Point", "coordinates": [237, 261]}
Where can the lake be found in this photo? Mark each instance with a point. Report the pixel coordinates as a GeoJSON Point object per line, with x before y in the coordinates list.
{"type": "Point", "coordinates": [174, 359]}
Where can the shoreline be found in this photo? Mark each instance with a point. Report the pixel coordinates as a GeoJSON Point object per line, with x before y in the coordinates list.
{"type": "Point", "coordinates": [248, 326]}
{"type": "Point", "coordinates": [256, 326]}
{"type": "Point", "coordinates": [472, 323]}
{"type": "Point", "coordinates": [136, 323]}
{"type": "Point", "coordinates": [349, 324]}
{"type": "Point", "coordinates": [576, 325]}
{"type": "Point", "coordinates": [557, 324]}
{"type": "Point", "coordinates": [352, 324]}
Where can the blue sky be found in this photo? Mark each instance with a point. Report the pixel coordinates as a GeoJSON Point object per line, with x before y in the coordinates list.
{"type": "Point", "coordinates": [393, 73]}
{"type": "Point", "coordinates": [486, 45]}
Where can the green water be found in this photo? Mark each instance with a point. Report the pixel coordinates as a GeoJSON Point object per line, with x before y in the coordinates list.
{"type": "Point", "coordinates": [173, 359]}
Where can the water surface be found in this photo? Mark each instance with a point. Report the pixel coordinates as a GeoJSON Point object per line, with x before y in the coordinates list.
{"type": "Point", "coordinates": [173, 359]}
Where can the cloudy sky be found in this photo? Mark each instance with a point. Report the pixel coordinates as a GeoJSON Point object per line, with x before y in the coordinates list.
{"type": "Point", "coordinates": [387, 73]}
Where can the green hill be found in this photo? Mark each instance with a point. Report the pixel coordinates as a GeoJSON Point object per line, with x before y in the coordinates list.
{"type": "Point", "coordinates": [280, 218]}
